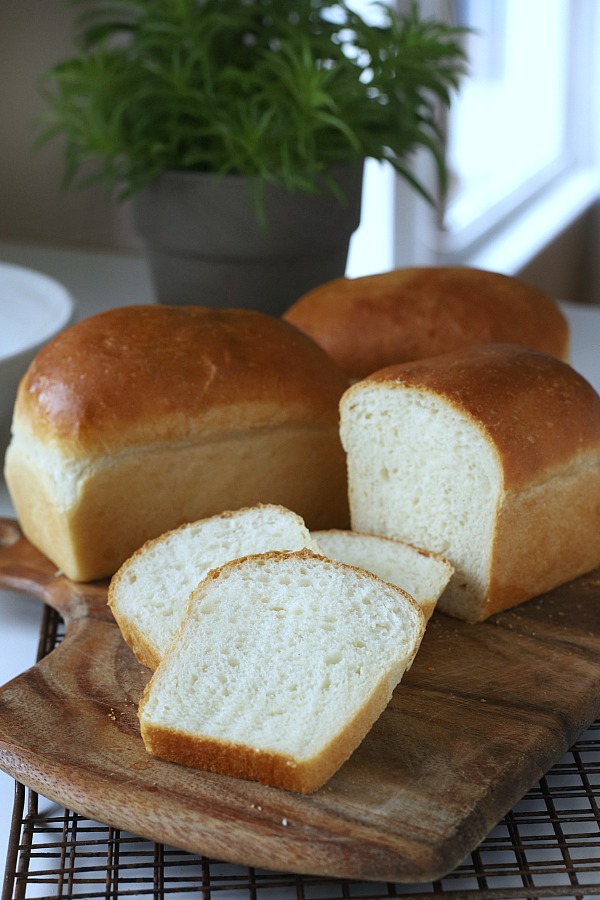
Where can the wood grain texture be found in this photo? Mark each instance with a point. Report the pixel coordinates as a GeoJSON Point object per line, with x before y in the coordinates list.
{"type": "Point", "coordinates": [485, 710]}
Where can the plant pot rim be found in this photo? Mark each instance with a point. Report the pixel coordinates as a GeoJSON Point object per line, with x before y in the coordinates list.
{"type": "Point", "coordinates": [350, 167]}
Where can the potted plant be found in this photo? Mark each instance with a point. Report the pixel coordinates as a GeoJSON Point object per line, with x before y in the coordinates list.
{"type": "Point", "coordinates": [240, 128]}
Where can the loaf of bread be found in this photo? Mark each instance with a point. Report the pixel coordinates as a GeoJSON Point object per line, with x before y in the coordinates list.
{"type": "Point", "coordinates": [139, 419]}
{"type": "Point", "coordinates": [379, 320]}
{"type": "Point", "coordinates": [489, 456]}
{"type": "Point", "coordinates": [149, 594]}
{"type": "Point", "coordinates": [421, 574]}
{"type": "Point", "coordinates": [282, 664]}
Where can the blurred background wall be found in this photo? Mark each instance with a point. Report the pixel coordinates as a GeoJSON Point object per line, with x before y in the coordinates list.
{"type": "Point", "coordinates": [35, 34]}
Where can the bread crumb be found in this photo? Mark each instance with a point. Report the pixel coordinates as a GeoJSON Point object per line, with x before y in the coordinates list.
{"type": "Point", "coordinates": [284, 822]}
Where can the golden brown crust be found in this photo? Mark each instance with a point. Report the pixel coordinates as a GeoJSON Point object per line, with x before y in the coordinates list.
{"type": "Point", "coordinates": [142, 375]}
{"type": "Point", "coordinates": [504, 388]}
{"type": "Point", "coordinates": [547, 535]}
{"type": "Point", "coordinates": [379, 320]}
{"type": "Point", "coordinates": [137, 420]}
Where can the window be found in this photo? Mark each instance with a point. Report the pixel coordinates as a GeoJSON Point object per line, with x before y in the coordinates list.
{"type": "Point", "coordinates": [519, 126]}
{"type": "Point", "coordinates": [523, 140]}
{"type": "Point", "coordinates": [508, 131]}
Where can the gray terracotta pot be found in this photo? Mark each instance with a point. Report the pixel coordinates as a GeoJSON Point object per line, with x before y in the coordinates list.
{"type": "Point", "coordinates": [205, 244]}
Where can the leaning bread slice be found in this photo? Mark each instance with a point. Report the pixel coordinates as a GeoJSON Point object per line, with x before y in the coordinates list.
{"type": "Point", "coordinates": [149, 593]}
{"type": "Point", "coordinates": [283, 663]}
{"type": "Point", "coordinates": [424, 575]}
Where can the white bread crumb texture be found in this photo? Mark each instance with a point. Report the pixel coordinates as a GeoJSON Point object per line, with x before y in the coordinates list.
{"type": "Point", "coordinates": [280, 651]}
{"type": "Point", "coordinates": [152, 588]}
{"type": "Point", "coordinates": [421, 471]}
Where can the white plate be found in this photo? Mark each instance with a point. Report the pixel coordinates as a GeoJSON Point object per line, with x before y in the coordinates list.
{"type": "Point", "coordinates": [33, 308]}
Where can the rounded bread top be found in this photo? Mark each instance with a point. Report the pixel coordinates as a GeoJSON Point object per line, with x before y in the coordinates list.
{"type": "Point", "coordinates": [142, 375]}
{"type": "Point", "coordinates": [538, 411]}
{"type": "Point", "coordinates": [379, 320]}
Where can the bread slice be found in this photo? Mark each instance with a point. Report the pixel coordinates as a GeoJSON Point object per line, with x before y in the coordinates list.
{"type": "Point", "coordinates": [149, 593]}
{"type": "Point", "coordinates": [421, 574]}
{"type": "Point", "coordinates": [489, 456]}
{"type": "Point", "coordinates": [282, 665]}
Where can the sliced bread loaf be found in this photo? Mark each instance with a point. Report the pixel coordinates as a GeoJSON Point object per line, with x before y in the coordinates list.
{"type": "Point", "coordinates": [283, 663]}
{"type": "Point", "coordinates": [149, 593]}
{"type": "Point", "coordinates": [422, 574]}
{"type": "Point", "coordinates": [489, 456]}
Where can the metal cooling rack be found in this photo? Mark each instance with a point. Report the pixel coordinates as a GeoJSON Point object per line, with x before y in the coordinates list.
{"type": "Point", "coordinates": [547, 847]}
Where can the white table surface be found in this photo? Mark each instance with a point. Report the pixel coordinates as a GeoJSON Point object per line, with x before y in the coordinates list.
{"type": "Point", "coordinates": [20, 615]}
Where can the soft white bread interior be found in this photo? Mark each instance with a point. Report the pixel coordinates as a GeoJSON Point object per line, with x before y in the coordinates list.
{"type": "Point", "coordinates": [282, 665]}
{"type": "Point", "coordinates": [142, 418]}
{"type": "Point", "coordinates": [421, 574]}
{"type": "Point", "coordinates": [379, 320]}
{"type": "Point", "coordinates": [489, 456]}
{"type": "Point", "coordinates": [149, 594]}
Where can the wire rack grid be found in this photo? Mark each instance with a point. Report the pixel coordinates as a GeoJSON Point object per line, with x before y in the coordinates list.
{"type": "Point", "coordinates": [548, 846]}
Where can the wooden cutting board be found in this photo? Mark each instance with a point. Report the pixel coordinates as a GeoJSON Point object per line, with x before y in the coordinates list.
{"type": "Point", "coordinates": [485, 710]}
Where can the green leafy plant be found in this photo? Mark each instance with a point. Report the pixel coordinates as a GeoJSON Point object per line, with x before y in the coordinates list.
{"type": "Point", "coordinates": [278, 90]}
